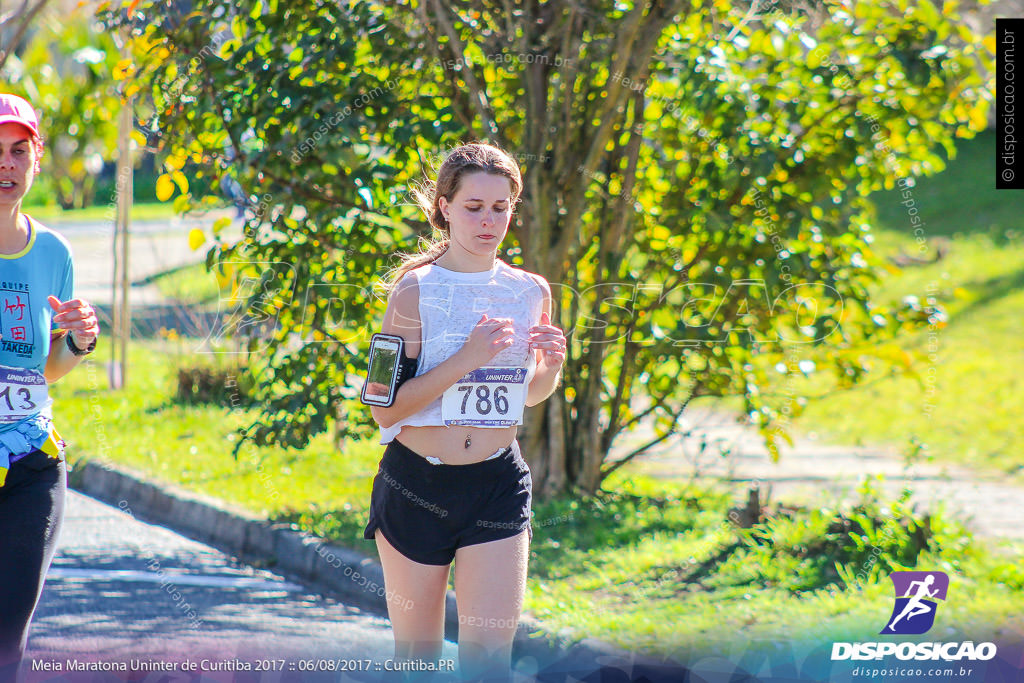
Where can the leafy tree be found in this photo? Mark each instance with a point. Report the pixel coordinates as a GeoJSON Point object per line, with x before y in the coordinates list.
{"type": "Point", "coordinates": [67, 72]}
{"type": "Point", "coordinates": [14, 26]}
{"type": "Point", "coordinates": [695, 182]}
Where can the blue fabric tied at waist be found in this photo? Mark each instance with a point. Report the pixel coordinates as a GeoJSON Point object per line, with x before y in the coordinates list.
{"type": "Point", "coordinates": [26, 437]}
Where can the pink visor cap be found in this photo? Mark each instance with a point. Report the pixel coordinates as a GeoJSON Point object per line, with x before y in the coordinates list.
{"type": "Point", "coordinates": [14, 109]}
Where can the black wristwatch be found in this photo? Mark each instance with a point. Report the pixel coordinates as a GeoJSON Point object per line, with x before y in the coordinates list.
{"type": "Point", "coordinates": [77, 351]}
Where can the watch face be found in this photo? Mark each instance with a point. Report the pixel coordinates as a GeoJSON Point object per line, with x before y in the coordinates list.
{"type": "Point", "coordinates": [78, 351]}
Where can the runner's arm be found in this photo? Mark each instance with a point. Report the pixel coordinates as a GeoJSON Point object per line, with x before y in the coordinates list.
{"type": "Point", "coordinates": [71, 316]}
{"type": "Point", "coordinates": [546, 379]}
{"type": "Point", "coordinates": [60, 361]}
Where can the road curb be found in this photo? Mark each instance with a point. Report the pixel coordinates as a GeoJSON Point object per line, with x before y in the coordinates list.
{"type": "Point", "coordinates": [339, 572]}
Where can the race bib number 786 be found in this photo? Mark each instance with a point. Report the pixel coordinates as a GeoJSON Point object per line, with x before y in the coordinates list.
{"type": "Point", "coordinates": [486, 397]}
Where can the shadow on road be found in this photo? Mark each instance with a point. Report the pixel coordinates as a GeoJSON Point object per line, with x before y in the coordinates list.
{"type": "Point", "coordinates": [145, 604]}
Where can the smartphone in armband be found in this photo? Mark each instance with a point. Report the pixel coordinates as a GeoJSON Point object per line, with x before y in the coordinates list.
{"type": "Point", "coordinates": [387, 369]}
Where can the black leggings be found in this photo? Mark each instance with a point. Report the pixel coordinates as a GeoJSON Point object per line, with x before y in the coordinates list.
{"type": "Point", "coordinates": [31, 514]}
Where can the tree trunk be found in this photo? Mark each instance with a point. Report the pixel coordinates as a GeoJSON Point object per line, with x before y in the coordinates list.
{"type": "Point", "coordinates": [566, 452]}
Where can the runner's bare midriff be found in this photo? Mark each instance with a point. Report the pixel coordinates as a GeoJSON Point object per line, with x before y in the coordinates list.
{"type": "Point", "coordinates": [449, 443]}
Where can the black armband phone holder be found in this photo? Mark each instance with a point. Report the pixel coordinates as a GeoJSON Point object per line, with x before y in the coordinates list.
{"type": "Point", "coordinates": [388, 368]}
{"type": "Point", "coordinates": [406, 368]}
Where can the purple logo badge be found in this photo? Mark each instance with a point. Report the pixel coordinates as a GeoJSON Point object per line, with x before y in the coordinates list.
{"type": "Point", "coordinates": [917, 596]}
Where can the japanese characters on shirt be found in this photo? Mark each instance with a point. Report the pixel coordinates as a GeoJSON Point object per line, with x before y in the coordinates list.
{"type": "Point", "coordinates": [17, 333]}
{"type": "Point", "coordinates": [23, 390]}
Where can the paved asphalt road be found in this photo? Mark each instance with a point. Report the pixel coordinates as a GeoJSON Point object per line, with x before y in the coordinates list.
{"type": "Point", "coordinates": [105, 598]}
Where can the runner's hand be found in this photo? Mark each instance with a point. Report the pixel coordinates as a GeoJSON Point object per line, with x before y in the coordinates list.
{"type": "Point", "coordinates": [488, 338]}
{"type": "Point", "coordinates": [549, 339]}
{"type": "Point", "coordinates": [78, 318]}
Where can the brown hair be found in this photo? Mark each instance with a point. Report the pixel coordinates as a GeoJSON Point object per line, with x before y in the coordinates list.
{"type": "Point", "coordinates": [463, 160]}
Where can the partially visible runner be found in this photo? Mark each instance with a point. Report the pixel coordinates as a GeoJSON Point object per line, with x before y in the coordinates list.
{"type": "Point", "coordinates": [452, 483]}
{"type": "Point", "coordinates": [44, 333]}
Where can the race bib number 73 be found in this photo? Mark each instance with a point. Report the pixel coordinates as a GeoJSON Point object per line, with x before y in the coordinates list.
{"type": "Point", "coordinates": [23, 392]}
{"type": "Point", "coordinates": [486, 397]}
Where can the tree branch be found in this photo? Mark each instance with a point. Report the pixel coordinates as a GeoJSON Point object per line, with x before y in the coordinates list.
{"type": "Point", "coordinates": [625, 370]}
{"type": "Point", "coordinates": [613, 431]}
{"type": "Point", "coordinates": [754, 6]}
{"type": "Point", "coordinates": [478, 95]}
{"type": "Point", "coordinates": [605, 472]}
{"type": "Point", "coordinates": [630, 48]}
{"type": "Point", "coordinates": [460, 106]}
{"type": "Point", "coordinates": [641, 416]}
{"type": "Point", "coordinates": [569, 76]}
{"type": "Point", "coordinates": [19, 32]}
{"type": "Point", "coordinates": [11, 16]}
{"type": "Point", "coordinates": [624, 209]}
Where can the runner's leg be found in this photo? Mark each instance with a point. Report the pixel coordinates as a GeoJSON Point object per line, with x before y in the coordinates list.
{"type": "Point", "coordinates": [490, 582]}
{"type": "Point", "coordinates": [31, 515]}
{"type": "Point", "coordinates": [919, 609]}
{"type": "Point", "coordinates": [415, 603]}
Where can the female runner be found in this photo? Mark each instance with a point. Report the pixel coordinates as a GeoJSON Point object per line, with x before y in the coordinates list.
{"type": "Point", "coordinates": [44, 333]}
{"type": "Point", "coordinates": [452, 483]}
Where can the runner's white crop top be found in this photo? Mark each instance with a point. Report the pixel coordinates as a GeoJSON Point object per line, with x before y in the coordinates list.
{"type": "Point", "coordinates": [450, 305]}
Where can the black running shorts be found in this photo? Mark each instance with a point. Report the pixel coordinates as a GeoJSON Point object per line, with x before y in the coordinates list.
{"type": "Point", "coordinates": [427, 511]}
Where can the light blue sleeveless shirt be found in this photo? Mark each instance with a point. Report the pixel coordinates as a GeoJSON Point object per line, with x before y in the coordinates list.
{"type": "Point", "coordinates": [27, 278]}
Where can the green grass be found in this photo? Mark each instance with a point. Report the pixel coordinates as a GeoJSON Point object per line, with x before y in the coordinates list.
{"type": "Point", "coordinates": [968, 409]}
{"type": "Point", "coordinates": [967, 406]}
{"type": "Point", "coordinates": [143, 429]}
{"type": "Point", "coordinates": [192, 285]}
{"type": "Point", "coordinates": [140, 212]}
{"type": "Point", "coordinates": [663, 572]}
{"type": "Point", "coordinates": [617, 567]}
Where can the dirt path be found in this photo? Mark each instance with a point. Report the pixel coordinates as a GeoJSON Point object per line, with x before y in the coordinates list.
{"type": "Point", "coordinates": [988, 506]}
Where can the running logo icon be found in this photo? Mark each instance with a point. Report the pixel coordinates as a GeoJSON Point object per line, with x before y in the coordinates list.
{"type": "Point", "coordinates": [917, 596]}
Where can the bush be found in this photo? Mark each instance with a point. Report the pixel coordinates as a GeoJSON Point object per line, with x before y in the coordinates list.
{"type": "Point", "coordinates": [231, 386]}
{"type": "Point", "coordinates": [802, 549]}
